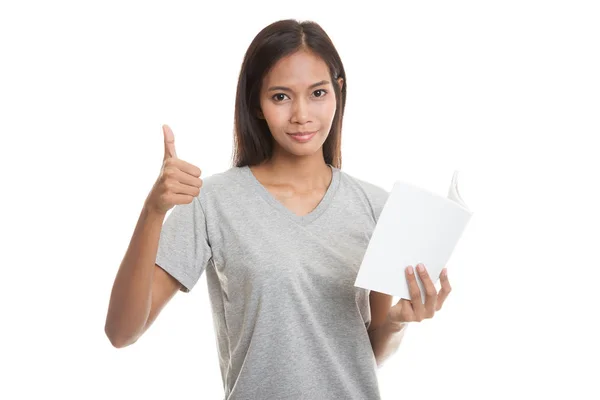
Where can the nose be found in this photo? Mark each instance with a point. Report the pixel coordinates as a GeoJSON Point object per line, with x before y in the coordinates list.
{"type": "Point", "coordinates": [300, 112]}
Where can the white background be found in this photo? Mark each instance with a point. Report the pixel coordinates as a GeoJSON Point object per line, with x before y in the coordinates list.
{"type": "Point", "coordinates": [508, 93]}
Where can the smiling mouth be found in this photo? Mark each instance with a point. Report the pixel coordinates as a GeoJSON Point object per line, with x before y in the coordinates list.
{"type": "Point", "coordinates": [302, 133]}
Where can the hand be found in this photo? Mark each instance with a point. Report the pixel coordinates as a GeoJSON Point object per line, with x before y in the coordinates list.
{"type": "Point", "coordinates": [178, 183]}
{"type": "Point", "coordinates": [414, 310]}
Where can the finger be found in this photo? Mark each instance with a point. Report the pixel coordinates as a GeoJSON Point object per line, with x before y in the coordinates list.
{"type": "Point", "coordinates": [430, 291]}
{"type": "Point", "coordinates": [401, 312]}
{"type": "Point", "coordinates": [180, 198]}
{"type": "Point", "coordinates": [395, 312]}
{"type": "Point", "coordinates": [186, 167]}
{"type": "Point", "coordinates": [445, 290]}
{"type": "Point", "coordinates": [169, 142]}
{"type": "Point", "coordinates": [415, 293]}
{"type": "Point", "coordinates": [408, 312]}
{"type": "Point", "coordinates": [180, 188]}
{"type": "Point", "coordinates": [185, 178]}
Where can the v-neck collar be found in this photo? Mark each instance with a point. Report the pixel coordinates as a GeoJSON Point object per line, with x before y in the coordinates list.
{"type": "Point", "coordinates": [304, 219]}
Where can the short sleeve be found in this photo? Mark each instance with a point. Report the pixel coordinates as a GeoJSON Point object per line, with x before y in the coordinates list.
{"type": "Point", "coordinates": [183, 248]}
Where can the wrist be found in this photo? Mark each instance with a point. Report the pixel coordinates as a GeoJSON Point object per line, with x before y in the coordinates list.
{"type": "Point", "coordinates": [152, 213]}
{"type": "Point", "coordinates": [393, 325]}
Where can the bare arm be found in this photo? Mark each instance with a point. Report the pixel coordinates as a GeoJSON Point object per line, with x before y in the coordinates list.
{"type": "Point", "coordinates": [141, 288]}
{"type": "Point", "coordinates": [385, 337]}
{"type": "Point", "coordinates": [385, 340]}
{"type": "Point", "coordinates": [380, 304]}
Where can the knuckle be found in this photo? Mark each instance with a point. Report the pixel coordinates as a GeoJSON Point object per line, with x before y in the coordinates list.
{"type": "Point", "coordinates": [164, 198]}
{"type": "Point", "coordinates": [168, 172]}
{"type": "Point", "coordinates": [174, 171]}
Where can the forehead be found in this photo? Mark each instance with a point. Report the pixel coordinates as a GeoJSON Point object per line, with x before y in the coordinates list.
{"type": "Point", "coordinates": [299, 69]}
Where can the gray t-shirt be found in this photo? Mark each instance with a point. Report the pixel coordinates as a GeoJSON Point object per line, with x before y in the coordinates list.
{"type": "Point", "coordinates": [289, 322]}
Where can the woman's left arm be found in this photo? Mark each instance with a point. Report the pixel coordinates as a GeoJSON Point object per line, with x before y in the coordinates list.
{"type": "Point", "coordinates": [387, 335]}
{"type": "Point", "coordinates": [380, 304]}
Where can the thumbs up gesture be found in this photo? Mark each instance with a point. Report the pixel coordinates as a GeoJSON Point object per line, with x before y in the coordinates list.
{"type": "Point", "coordinates": [178, 183]}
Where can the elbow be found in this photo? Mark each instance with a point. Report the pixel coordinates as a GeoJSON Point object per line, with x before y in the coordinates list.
{"type": "Point", "coordinates": [116, 340]}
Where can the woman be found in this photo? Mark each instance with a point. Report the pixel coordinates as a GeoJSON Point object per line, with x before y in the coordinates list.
{"type": "Point", "coordinates": [281, 236]}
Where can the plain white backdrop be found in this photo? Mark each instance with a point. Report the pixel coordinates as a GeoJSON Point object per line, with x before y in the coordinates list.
{"type": "Point", "coordinates": [505, 92]}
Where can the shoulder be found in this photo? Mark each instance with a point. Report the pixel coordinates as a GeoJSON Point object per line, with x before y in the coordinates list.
{"type": "Point", "coordinates": [373, 194]}
{"type": "Point", "coordinates": [224, 186]}
{"type": "Point", "coordinates": [218, 181]}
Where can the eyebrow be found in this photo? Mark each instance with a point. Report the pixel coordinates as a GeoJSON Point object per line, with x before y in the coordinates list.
{"type": "Point", "coordinates": [289, 90]}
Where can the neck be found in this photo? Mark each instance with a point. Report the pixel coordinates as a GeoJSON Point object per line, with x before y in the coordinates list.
{"type": "Point", "coordinates": [303, 173]}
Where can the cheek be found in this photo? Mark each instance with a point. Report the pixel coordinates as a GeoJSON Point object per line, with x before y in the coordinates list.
{"type": "Point", "coordinates": [327, 110]}
{"type": "Point", "coordinates": [275, 116]}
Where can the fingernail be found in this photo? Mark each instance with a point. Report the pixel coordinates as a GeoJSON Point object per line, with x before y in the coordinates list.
{"type": "Point", "coordinates": [420, 267]}
{"type": "Point", "coordinates": [410, 270]}
{"type": "Point", "coordinates": [444, 272]}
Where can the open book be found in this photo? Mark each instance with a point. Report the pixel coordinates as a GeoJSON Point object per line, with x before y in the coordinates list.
{"type": "Point", "coordinates": [415, 226]}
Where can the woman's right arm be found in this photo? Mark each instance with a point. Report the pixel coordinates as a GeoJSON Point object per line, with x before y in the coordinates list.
{"type": "Point", "coordinates": [141, 288]}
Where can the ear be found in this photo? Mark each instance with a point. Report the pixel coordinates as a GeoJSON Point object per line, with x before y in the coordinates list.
{"type": "Point", "coordinates": [340, 81]}
{"type": "Point", "coordinates": [260, 114]}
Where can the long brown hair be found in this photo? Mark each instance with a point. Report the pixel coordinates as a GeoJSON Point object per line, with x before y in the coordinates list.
{"type": "Point", "coordinates": [253, 142]}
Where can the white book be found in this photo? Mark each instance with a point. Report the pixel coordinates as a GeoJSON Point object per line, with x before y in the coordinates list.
{"type": "Point", "coordinates": [415, 226]}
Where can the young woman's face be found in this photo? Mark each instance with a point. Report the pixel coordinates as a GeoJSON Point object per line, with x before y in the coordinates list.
{"type": "Point", "coordinates": [297, 96]}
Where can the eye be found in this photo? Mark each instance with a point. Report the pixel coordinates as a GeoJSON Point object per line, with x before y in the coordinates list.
{"type": "Point", "coordinates": [280, 99]}
{"type": "Point", "coordinates": [274, 97]}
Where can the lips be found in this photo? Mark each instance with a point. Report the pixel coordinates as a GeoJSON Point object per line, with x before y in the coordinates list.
{"type": "Point", "coordinates": [303, 137]}
{"type": "Point", "coordinates": [303, 133]}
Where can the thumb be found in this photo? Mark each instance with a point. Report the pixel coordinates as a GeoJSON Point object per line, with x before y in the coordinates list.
{"type": "Point", "coordinates": [169, 143]}
{"type": "Point", "coordinates": [395, 312]}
